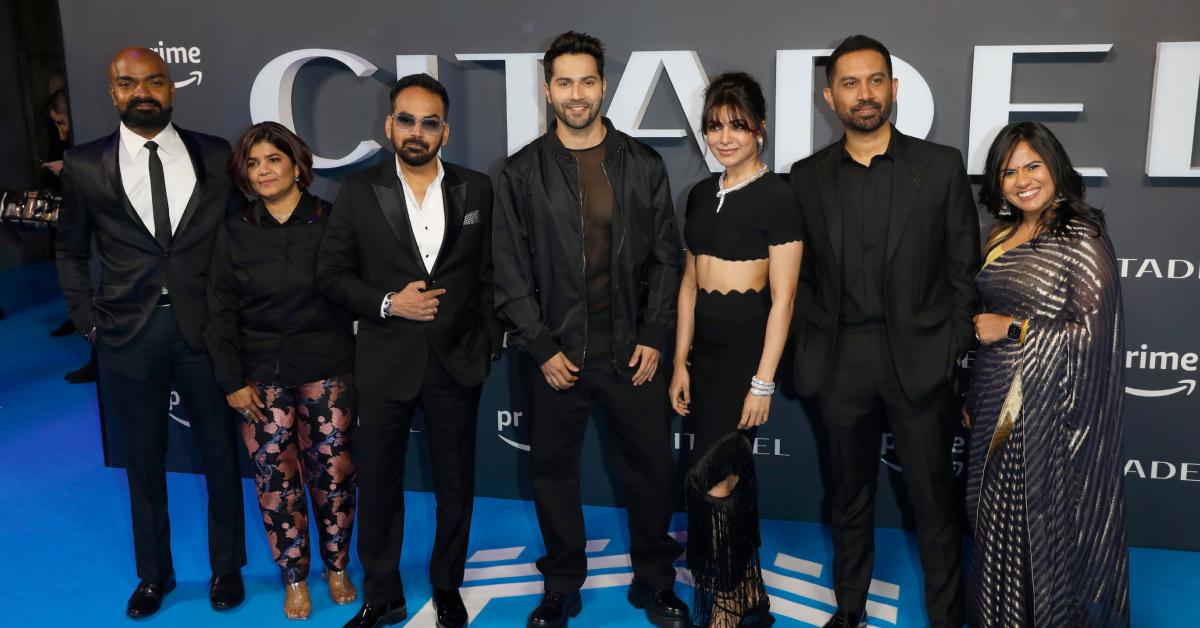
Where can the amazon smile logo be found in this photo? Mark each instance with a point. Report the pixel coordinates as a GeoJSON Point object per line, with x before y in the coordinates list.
{"type": "Point", "coordinates": [171, 410]}
{"type": "Point", "coordinates": [177, 55]}
{"type": "Point", "coordinates": [509, 419]}
{"type": "Point", "coordinates": [1182, 366]}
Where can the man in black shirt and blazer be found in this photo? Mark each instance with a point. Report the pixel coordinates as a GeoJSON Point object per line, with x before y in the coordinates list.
{"type": "Point", "coordinates": [152, 195]}
{"type": "Point", "coordinates": [408, 250]}
{"type": "Point", "coordinates": [883, 312]}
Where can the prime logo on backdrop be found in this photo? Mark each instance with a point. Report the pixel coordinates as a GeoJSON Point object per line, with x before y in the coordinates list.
{"type": "Point", "coordinates": [181, 55]}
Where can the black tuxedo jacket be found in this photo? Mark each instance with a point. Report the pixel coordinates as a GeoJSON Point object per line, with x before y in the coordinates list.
{"type": "Point", "coordinates": [133, 267]}
{"type": "Point", "coordinates": [931, 260]}
{"type": "Point", "coordinates": [368, 250]}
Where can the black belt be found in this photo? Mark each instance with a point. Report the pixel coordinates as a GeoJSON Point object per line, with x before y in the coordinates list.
{"type": "Point", "coordinates": [164, 300]}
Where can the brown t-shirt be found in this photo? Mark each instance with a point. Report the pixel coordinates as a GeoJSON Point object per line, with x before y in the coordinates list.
{"type": "Point", "coordinates": [597, 227]}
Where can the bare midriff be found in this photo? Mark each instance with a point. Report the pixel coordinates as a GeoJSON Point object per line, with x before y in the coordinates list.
{"type": "Point", "coordinates": [714, 274]}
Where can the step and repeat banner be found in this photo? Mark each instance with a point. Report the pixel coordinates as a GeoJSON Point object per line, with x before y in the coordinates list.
{"type": "Point", "coordinates": [1118, 82]}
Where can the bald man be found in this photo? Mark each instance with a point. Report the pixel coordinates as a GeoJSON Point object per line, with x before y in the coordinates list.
{"type": "Point", "coordinates": [152, 196]}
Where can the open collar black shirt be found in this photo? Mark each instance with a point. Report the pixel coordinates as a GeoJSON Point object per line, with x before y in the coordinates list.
{"type": "Point", "coordinates": [866, 206]}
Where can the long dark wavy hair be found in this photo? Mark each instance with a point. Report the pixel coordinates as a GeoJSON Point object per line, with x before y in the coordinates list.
{"type": "Point", "coordinates": [1068, 185]}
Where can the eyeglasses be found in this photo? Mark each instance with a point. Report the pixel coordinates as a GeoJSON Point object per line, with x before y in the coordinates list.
{"type": "Point", "coordinates": [406, 121]}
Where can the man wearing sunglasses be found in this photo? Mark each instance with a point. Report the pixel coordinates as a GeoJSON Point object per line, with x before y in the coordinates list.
{"type": "Point", "coordinates": [408, 249]}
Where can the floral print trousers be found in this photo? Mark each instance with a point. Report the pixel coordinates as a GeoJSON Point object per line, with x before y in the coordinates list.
{"type": "Point", "coordinates": [305, 440]}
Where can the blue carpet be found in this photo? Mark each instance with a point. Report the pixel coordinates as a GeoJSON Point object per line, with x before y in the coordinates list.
{"type": "Point", "coordinates": [70, 561]}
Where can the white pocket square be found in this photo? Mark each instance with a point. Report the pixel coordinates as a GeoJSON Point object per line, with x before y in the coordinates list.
{"type": "Point", "coordinates": [472, 218]}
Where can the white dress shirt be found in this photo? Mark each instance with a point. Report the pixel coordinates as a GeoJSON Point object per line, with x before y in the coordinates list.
{"type": "Point", "coordinates": [134, 161]}
{"type": "Point", "coordinates": [428, 217]}
{"type": "Point", "coordinates": [428, 220]}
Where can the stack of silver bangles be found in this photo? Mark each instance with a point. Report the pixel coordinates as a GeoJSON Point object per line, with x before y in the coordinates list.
{"type": "Point", "coordinates": [759, 388]}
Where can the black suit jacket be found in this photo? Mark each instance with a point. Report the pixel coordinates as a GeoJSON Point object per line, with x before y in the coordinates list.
{"type": "Point", "coordinates": [932, 258]}
{"type": "Point", "coordinates": [368, 250]}
{"type": "Point", "coordinates": [133, 266]}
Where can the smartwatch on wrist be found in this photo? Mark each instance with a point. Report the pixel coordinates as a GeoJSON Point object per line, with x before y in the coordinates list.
{"type": "Point", "coordinates": [1014, 330]}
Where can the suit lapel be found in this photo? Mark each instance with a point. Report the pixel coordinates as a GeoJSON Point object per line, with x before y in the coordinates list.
{"type": "Point", "coordinates": [112, 171]}
{"type": "Point", "coordinates": [906, 179]}
{"type": "Point", "coordinates": [390, 195]}
{"type": "Point", "coordinates": [197, 157]}
{"type": "Point", "coordinates": [454, 204]}
{"type": "Point", "coordinates": [829, 183]}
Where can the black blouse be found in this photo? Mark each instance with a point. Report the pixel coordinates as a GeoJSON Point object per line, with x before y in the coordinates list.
{"type": "Point", "coordinates": [267, 322]}
{"type": "Point", "coordinates": [762, 214]}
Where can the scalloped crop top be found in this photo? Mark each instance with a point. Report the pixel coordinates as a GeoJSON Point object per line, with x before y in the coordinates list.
{"type": "Point", "coordinates": [760, 215]}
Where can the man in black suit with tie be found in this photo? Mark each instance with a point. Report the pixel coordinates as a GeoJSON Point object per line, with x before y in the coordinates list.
{"type": "Point", "coordinates": [883, 312]}
{"type": "Point", "coordinates": [152, 195]}
{"type": "Point", "coordinates": [408, 249]}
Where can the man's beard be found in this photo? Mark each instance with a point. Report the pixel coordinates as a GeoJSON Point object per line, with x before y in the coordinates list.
{"type": "Point", "coordinates": [417, 153]}
{"type": "Point", "coordinates": [883, 111]}
{"type": "Point", "coordinates": [561, 114]}
{"type": "Point", "coordinates": [152, 120]}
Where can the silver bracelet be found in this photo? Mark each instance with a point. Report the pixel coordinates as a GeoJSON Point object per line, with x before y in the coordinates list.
{"type": "Point", "coordinates": [759, 388]}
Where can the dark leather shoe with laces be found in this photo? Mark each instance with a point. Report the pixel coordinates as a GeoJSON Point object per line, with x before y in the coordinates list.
{"type": "Point", "coordinates": [147, 598]}
{"type": "Point", "coordinates": [451, 613]}
{"type": "Point", "coordinates": [555, 610]}
{"type": "Point", "coordinates": [375, 615]}
{"type": "Point", "coordinates": [226, 592]}
{"type": "Point", "coordinates": [845, 619]}
{"type": "Point", "coordinates": [663, 608]}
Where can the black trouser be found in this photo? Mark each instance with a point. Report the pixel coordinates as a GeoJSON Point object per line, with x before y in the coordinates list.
{"type": "Point", "coordinates": [383, 427]}
{"type": "Point", "coordinates": [862, 381]}
{"type": "Point", "coordinates": [639, 425]}
{"type": "Point", "coordinates": [137, 378]}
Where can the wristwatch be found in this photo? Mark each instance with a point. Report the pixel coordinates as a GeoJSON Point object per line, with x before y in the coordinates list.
{"type": "Point", "coordinates": [1014, 329]}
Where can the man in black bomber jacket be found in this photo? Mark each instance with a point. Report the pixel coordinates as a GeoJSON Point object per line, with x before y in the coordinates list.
{"type": "Point", "coordinates": [587, 272]}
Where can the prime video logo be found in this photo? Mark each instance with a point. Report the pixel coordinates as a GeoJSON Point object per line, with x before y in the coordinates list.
{"type": "Point", "coordinates": [1143, 358]}
{"type": "Point", "coordinates": [181, 55]}
{"type": "Point", "coordinates": [509, 418]}
{"type": "Point", "coordinates": [171, 410]}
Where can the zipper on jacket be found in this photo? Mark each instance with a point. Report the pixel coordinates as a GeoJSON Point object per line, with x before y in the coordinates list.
{"type": "Point", "coordinates": [616, 260]}
{"type": "Point", "coordinates": [583, 254]}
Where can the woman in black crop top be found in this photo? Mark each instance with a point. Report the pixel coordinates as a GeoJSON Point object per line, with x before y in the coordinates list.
{"type": "Point", "coordinates": [283, 355]}
{"type": "Point", "coordinates": [742, 233]}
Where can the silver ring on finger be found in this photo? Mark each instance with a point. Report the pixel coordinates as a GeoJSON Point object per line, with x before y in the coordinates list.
{"type": "Point", "coordinates": [245, 412]}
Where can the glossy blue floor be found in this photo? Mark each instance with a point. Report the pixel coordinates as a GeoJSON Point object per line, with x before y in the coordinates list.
{"type": "Point", "coordinates": [70, 560]}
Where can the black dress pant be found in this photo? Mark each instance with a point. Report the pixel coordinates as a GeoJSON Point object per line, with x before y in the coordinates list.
{"type": "Point", "coordinates": [450, 419]}
{"type": "Point", "coordinates": [639, 425]}
{"type": "Point", "coordinates": [860, 400]}
{"type": "Point", "coordinates": [137, 378]}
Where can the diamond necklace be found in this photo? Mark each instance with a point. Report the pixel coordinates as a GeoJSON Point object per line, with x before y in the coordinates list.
{"type": "Point", "coordinates": [722, 190]}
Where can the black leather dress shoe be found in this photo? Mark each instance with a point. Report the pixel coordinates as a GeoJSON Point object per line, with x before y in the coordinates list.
{"type": "Point", "coordinates": [147, 598]}
{"type": "Point", "coordinates": [663, 608]}
{"type": "Point", "coordinates": [375, 615]}
{"type": "Point", "coordinates": [226, 592]}
{"type": "Point", "coordinates": [451, 613]}
{"type": "Point", "coordinates": [555, 610]}
{"type": "Point", "coordinates": [844, 619]}
{"type": "Point", "coordinates": [83, 375]}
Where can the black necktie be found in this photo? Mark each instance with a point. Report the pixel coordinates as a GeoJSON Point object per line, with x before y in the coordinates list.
{"type": "Point", "coordinates": [158, 198]}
